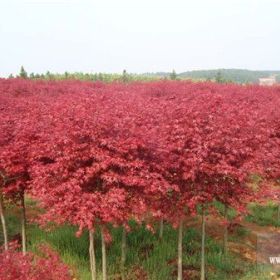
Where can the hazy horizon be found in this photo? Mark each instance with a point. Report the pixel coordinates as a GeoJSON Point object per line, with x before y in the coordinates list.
{"type": "Point", "coordinates": [139, 36]}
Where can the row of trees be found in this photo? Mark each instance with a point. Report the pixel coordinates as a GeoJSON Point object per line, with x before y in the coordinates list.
{"type": "Point", "coordinates": [97, 155]}
{"type": "Point", "coordinates": [103, 77]}
{"type": "Point", "coordinates": [220, 75]}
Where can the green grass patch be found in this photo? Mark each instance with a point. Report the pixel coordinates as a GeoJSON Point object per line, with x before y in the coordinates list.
{"type": "Point", "coordinates": [263, 215]}
{"type": "Point", "coordinates": [231, 213]}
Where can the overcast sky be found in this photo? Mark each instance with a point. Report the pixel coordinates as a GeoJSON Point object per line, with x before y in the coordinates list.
{"type": "Point", "coordinates": [139, 36]}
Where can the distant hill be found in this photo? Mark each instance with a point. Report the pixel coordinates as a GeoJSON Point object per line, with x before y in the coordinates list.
{"type": "Point", "coordinates": [234, 75]}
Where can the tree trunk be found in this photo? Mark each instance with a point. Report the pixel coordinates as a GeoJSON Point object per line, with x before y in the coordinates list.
{"type": "Point", "coordinates": [180, 251]}
{"type": "Point", "coordinates": [202, 271]}
{"type": "Point", "coordinates": [23, 224]}
{"type": "Point", "coordinates": [104, 265]}
{"type": "Point", "coordinates": [226, 231]}
{"type": "Point", "coordinates": [3, 222]}
{"type": "Point", "coordinates": [123, 255]}
{"type": "Point", "coordinates": [278, 214]}
{"type": "Point", "coordinates": [161, 229]}
{"type": "Point", "coordinates": [92, 256]}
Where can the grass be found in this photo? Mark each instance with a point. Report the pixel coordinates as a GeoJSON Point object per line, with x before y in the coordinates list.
{"type": "Point", "coordinates": [221, 210]}
{"type": "Point", "coordinates": [263, 215]}
{"type": "Point", "coordinates": [145, 252]}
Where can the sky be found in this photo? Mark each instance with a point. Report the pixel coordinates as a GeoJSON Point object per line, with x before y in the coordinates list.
{"type": "Point", "coordinates": [139, 36]}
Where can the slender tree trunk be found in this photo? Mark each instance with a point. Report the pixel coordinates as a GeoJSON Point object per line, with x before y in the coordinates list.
{"type": "Point", "coordinates": [23, 224]}
{"type": "Point", "coordinates": [104, 261]}
{"type": "Point", "coordinates": [161, 229]}
{"type": "Point", "coordinates": [3, 222]}
{"type": "Point", "coordinates": [180, 251]}
{"type": "Point", "coordinates": [202, 271]}
{"type": "Point", "coordinates": [278, 214]}
{"type": "Point", "coordinates": [92, 256]}
{"type": "Point", "coordinates": [226, 231]}
{"type": "Point", "coordinates": [123, 255]}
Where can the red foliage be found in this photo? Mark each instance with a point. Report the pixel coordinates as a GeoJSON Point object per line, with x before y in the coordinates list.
{"type": "Point", "coordinates": [102, 153]}
{"type": "Point", "coordinates": [15, 266]}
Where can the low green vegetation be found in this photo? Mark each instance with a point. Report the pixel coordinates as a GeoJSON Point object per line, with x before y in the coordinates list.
{"type": "Point", "coordinates": [264, 215]}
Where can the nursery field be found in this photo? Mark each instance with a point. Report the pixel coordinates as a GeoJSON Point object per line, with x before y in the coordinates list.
{"type": "Point", "coordinates": [149, 257]}
{"type": "Point", "coordinates": [137, 180]}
